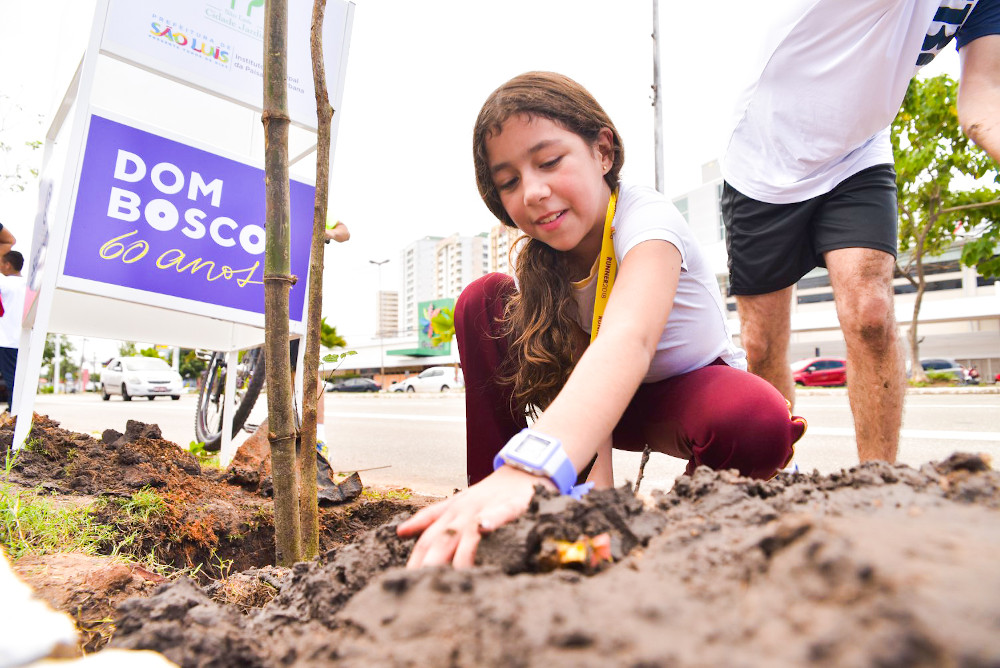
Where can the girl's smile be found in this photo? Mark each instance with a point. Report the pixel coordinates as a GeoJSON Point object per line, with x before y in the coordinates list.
{"type": "Point", "coordinates": [551, 183]}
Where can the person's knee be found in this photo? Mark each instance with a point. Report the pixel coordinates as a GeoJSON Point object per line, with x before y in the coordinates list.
{"type": "Point", "coordinates": [751, 429]}
{"type": "Point", "coordinates": [767, 446]}
{"type": "Point", "coordinates": [764, 329]}
{"type": "Point", "coordinates": [869, 320]}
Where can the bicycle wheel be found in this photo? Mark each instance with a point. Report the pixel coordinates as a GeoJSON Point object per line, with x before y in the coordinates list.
{"type": "Point", "coordinates": [210, 409]}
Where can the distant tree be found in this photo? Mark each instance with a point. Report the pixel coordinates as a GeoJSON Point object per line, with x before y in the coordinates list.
{"type": "Point", "coordinates": [19, 164]}
{"type": "Point", "coordinates": [66, 350]}
{"type": "Point", "coordinates": [191, 366]}
{"type": "Point", "coordinates": [127, 349]}
{"type": "Point", "coordinates": [152, 351]}
{"type": "Point", "coordinates": [931, 152]}
{"type": "Point", "coordinates": [328, 337]}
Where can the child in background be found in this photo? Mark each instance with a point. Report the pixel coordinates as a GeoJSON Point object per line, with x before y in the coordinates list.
{"type": "Point", "coordinates": [614, 334]}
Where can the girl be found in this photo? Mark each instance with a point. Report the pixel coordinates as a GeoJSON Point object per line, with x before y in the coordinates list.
{"type": "Point", "coordinates": [662, 372]}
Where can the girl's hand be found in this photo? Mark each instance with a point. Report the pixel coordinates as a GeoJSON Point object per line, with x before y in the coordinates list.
{"type": "Point", "coordinates": [451, 530]}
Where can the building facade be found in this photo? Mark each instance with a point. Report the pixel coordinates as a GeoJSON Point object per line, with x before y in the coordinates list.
{"type": "Point", "coordinates": [387, 313]}
{"type": "Point", "coordinates": [501, 255]}
{"type": "Point", "coordinates": [417, 277]}
{"type": "Point", "coordinates": [458, 261]}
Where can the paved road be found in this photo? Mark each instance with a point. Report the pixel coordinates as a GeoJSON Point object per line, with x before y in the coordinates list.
{"type": "Point", "coordinates": [419, 440]}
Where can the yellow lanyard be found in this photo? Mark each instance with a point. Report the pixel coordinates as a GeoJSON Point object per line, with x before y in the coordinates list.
{"type": "Point", "coordinates": [607, 268]}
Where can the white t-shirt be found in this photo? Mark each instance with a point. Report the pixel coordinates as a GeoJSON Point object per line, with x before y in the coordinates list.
{"type": "Point", "coordinates": [829, 81]}
{"type": "Point", "coordinates": [12, 295]}
{"type": "Point", "coordinates": [696, 333]}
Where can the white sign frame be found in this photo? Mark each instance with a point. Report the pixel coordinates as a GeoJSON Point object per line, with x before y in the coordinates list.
{"type": "Point", "coordinates": [68, 305]}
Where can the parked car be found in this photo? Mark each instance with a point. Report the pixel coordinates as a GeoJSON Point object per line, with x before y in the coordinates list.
{"type": "Point", "coordinates": [431, 379]}
{"type": "Point", "coordinates": [820, 371]}
{"type": "Point", "coordinates": [149, 377]}
{"type": "Point", "coordinates": [355, 385]}
{"type": "Point", "coordinates": [944, 365]}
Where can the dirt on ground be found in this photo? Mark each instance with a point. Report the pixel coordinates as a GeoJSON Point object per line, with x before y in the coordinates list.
{"type": "Point", "coordinates": [878, 565]}
{"type": "Point", "coordinates": [205, 522]}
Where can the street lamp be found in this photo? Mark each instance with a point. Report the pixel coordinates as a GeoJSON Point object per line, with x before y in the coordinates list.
{"type": "Point", "coordinates": [381, 327]}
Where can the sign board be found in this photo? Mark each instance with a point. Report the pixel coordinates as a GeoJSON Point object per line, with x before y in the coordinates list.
{"type": "Point", "coordinates": [426, 311]}
{"type": "Point", "coordinates": [216, 45]}
{"type": "Point", "coordinates": [160, 222]}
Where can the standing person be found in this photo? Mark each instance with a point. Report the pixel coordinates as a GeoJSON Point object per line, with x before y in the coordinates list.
{"type": "Point", "coordinates": [600, 256]}
{"type": "Point", "coordinates": [12, 286]}
{"type": "Point", "coordinates": [809, 179]}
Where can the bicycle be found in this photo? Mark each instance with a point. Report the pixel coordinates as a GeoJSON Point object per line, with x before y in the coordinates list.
{"type": "Point", "coordinates": [211, 396]}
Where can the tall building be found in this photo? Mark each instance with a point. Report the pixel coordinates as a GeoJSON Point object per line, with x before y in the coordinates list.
{"type": "Point", "coordinates": [501, 242]}
{"type": "Point", "coordinates": [387, 313]}
{"type": "Point", "coordinates": [458, 261]}
{"type": "Point", "coordinates": [417, 275]}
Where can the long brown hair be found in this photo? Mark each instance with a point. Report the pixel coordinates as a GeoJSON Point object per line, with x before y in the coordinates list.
{"type": "Point", "coordinates": [540, 318]}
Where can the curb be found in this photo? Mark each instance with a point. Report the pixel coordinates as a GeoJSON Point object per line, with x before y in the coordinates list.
{"type": "Point", "coordinates": [988, 389]}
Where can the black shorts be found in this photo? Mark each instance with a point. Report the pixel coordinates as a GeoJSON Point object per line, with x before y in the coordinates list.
{"type": "Point", "coordinates": [984, 20]}
{"type": "Point", "coordinates": [772, 246]}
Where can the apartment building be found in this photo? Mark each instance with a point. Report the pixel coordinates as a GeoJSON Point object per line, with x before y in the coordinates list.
{"type": "Point", "coordinates": [501, 243]}
{"type": "Point", "coordinates": [458, 261]}
{"type": "Point", "coordinates": [386, 313]}
{"type": "Point", "coordinates": [417, 277]}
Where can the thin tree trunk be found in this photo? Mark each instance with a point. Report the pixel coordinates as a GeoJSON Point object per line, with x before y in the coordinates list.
{"type": "Point", "coordinates": [308, 505]}
{"type": "Point", "coordinates": [917, 371]}
{"type": "Point", "coordinates": [277, 282]}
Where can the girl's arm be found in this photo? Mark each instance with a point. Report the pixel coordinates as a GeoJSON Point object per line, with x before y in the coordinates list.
{"type": "Point", "coordinates": [602, 474]}
{"type": "Point", "coordinates": [582, 416]}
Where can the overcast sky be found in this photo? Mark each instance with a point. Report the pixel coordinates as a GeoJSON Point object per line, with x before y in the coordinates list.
{"type": "Point", "coordinates": [417, 75]}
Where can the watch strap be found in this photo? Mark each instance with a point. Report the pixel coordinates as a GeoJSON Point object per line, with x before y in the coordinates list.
{"type": "Point", "coordinates": [559, 469]}
{"type": "Point", "coordinates": [565, 475]}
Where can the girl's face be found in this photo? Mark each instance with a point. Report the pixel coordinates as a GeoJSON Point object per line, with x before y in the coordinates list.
{"type": "Point", "coordinates": [551, 183]}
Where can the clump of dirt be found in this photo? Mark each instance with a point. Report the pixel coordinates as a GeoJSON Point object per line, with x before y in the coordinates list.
{"type": "Point", "coordinates": [877, 565]}
{"type": "Point", "coordinates": [89, 587]}
{"type": "Point", "coordinates": [198, 519]}
{"type": "Point", "coordinates": [206, 521]}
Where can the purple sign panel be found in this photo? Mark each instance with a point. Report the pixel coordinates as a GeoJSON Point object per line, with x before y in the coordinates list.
{"type": "Point", "coordinates": [156, 215]}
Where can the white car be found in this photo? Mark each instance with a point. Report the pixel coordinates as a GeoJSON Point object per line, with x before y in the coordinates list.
{"type": "Point", "coordinates": [149, 377]}
{"type": "Point", "coordinates": [431, 379]}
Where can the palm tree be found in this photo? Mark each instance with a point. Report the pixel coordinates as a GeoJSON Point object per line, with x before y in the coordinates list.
{"type": "Point", "coordinates": [329, 337]}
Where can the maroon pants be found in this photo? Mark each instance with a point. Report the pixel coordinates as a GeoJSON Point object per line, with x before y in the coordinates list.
{"type": "Point", "coordinates": [716, 416]}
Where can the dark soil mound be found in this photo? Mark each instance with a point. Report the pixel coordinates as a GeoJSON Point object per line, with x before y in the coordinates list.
{"type": "Point", "coordinates": [879, 565]}
{"type": "Point", "coordinates": [207, 521]}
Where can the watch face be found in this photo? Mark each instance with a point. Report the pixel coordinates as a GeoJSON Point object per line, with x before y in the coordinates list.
{"type": "Point", "coordinates": [532, 448]}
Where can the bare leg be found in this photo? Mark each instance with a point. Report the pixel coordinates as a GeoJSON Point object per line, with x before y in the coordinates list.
{"type": "Point", "coordinates": [979, 93]}
{"type": "Point", "coordinates": [765, 329]}
{"type": "Point", "coordinates": [876, 380]}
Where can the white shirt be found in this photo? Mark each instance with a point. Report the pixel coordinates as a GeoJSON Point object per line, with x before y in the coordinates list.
{"type": "Point", "coordinates": [12, 295]}
{"type": "Point", "coordinates": [830, 79]}
{"type": "Point", "coordinates": [696, 333]}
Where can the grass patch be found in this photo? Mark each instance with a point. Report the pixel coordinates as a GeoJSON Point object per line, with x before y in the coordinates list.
{"type": "Point", "coordinates": [204, 457]}
{"type": "Point", "coordinates": [389, 494]}
{"type": "Point", "coordinates": [33, 524]}
{"type": "Point", "coordinates": [937, 379]}
{"type": "Point", "coordinates": [141, 506]}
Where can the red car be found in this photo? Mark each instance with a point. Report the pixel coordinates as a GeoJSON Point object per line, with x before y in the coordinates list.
{"type": "Point", "coordinates": [820, 371]}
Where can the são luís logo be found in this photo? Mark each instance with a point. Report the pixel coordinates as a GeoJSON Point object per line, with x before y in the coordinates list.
{"type": "Point", "coordinates": [201, 46]}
